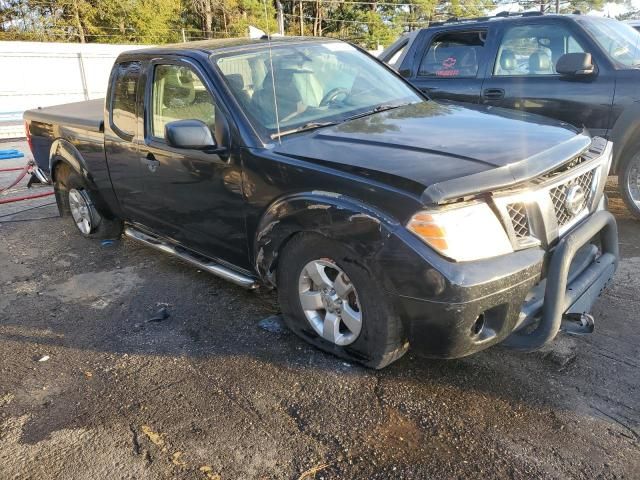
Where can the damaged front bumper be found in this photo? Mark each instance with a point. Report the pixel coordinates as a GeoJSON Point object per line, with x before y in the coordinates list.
{"type": "Point", "coordinates": [518, 300]}
{"type": "Point", "coordinates": [565, 253]}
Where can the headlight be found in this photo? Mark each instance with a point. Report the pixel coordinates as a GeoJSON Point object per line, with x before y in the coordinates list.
{"type": "Point", "coordinates": [462, 233]}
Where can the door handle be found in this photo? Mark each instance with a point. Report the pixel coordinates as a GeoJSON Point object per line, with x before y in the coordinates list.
{"type": "Point", "coordinates": [493, 93]}
{"type": "Point", "coordinates": [150, 160]}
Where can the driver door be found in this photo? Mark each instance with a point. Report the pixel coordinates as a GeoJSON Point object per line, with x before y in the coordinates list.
{"type": "Point", "coordinates": [198, 195]}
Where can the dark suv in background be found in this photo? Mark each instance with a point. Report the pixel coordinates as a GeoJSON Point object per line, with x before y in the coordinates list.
{"type": "Point", "coordinates": [579, 69]}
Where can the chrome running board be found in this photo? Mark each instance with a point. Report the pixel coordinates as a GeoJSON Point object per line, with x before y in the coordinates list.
{"type": "Point", "coordinates": [209, 266]}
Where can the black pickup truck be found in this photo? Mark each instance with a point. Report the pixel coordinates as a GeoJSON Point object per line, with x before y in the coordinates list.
{"type": "Point", "coordinates": [384, 219]}
{"type": "Point", "coordinates": [579, 69]}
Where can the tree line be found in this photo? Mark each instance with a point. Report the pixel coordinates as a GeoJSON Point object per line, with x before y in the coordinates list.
{"type": "Point", "coordinates": [367, 22]}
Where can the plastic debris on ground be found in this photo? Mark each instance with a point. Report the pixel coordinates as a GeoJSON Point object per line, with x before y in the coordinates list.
{"type": "Point", "coordinates": [273, 324]}
{"type": "Point", "coordinates": [160, 315]}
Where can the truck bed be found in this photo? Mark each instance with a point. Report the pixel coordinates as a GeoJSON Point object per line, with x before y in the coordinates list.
{"type": "Point", "coordinates": [87, 115]}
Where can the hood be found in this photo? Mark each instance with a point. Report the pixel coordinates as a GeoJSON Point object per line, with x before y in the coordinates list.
{"type": "Point", "coordinates": [425, 144]}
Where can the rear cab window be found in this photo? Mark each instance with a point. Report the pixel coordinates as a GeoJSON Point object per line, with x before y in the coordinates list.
{"type": "Point", "coordinates": [124, 93]}
{"type": "Point", "coordinates": [454, 54]}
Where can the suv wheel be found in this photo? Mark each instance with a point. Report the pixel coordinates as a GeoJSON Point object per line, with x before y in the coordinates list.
{"type": "Point", "coordinates": [629, 183]}
{"type": "Point", "coordinates": [331, 301]}
{"type": "Point", "coordinates": [77, 202]}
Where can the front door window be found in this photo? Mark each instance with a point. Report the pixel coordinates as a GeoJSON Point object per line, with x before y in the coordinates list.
{"type": "Point", "coordinates": [534, 50]}
{"type": "Point", "coordinates": [178, 94]}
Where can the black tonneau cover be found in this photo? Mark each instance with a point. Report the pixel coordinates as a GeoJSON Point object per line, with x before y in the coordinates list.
{"type": "Point", "coordinates": [86, 115]}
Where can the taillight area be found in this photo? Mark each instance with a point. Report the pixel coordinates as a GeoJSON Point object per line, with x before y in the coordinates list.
{"type": "Point", "coordinates": [28, 133]}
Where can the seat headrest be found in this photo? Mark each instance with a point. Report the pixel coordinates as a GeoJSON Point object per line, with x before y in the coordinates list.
{"type": "Point", "coordinates": [444, 53]}
{"type": "Point", "coordinates": [507, 60]}
{"type": "Point", "coordinates": [539, 61]}
{"type": "Point", "coordinates": [236, 81]}
{"type": "Point", "coordinates": [179, 87]}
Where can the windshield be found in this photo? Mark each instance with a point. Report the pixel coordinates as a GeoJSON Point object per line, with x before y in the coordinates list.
{"type": "Point", "coordinates": [619, 40]}
{"type": "Point", "coordinates": [314, 83]}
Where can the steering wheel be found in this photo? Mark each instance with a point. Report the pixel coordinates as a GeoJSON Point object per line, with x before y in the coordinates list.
{"type": "Point", "coordinates": [332, 95]}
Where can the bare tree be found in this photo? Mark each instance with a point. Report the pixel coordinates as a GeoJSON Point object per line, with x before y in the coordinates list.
{"type": "Point", "coordinates": [76, 17]}
{"type": "Point", "coordinates": [204, 9]}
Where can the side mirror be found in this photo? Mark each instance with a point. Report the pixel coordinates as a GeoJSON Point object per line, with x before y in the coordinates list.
{"type": "Point", "coordinates": [193, 134]}
{"type": "Point", "coordinates": [575, 64]}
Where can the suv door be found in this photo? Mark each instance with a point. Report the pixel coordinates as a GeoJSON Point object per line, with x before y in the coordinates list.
{"type": "Point", "coordinates": [198, 193]}
{"type": "Point", "coordinates": [523, 75]}
{"type": "Point", "coordinates": [450, 63]}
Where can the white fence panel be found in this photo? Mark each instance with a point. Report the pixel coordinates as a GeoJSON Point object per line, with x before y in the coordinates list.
{"type": "Point", "coordinates": [38, 74]}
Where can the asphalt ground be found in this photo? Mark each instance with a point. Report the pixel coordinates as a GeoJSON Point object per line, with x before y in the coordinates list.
{"type": "Point", "coordinates": [96, 384]}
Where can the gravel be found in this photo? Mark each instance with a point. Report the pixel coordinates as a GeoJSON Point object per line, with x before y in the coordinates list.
{"type": "Point", "coordinates": [217, 390]}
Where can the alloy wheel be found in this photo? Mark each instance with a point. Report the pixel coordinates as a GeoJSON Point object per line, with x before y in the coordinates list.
{"type": "Point", "coordinates": [633, 180]}
{"type": "Point", "coordinates": [80, 207]}
{"type": "Point", "coordinates": [330, 302]}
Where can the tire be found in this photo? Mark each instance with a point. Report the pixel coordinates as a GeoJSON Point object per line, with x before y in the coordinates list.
{"type": "Point", "coordinates": [629, 183]}
{"type": "Point", "coordinates": [381, 339]}
{"type": "Point", "coordinates": [72, 192]}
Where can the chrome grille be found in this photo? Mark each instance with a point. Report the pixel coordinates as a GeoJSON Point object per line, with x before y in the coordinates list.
{"type": "Point", "coordinates": [518, 215]}
{"type": "Point", "coordinates": [559, 196]}
{"type": "Point", "coordinates": [545, 208]}
{"type": "Point", "coordinates": [562, 170]}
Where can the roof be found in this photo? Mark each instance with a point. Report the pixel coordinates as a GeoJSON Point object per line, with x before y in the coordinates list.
{"type": "Point", "coordinates": [500, 17]}
{"type": "Point", "coordinates": [221, 44]}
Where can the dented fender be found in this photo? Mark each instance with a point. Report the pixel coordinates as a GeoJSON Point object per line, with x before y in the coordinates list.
{"type": "Point", "coordinates": [361, 226]}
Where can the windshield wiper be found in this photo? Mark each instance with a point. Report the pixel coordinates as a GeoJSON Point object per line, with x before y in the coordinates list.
{"type": "Point", "coordinates": [379, 108]}
{"type": "Point", "coordinates": [306, 127]}
{"type": "Point", "coordinates": [314, 125]}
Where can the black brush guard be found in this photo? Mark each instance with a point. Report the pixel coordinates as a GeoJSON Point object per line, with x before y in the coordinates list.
{"type": "Point", "coordinates": [566, 293]}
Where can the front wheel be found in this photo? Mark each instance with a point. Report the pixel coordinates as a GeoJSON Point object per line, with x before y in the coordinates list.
{"type": "Point", "coordinates": [330, 300]}
{"type": "Point", "coordinates": [629, 184]}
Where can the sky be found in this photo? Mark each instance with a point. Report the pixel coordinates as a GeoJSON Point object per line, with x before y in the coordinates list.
{"type": "Point", "coordinates": [609, 9]}
{"type": "Point", "coordinates": [613, 9]}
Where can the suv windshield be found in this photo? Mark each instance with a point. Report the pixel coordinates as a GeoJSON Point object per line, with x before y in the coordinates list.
{"type": "Point", "coordinates": [619, 40]}
{"type": "Point", "coordinates": [309, 85]}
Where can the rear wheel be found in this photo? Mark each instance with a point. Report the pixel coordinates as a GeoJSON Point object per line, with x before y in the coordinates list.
{"type": "Point", "coordinates": [330, 300]}
{"type": "Point", "coordinates": [629, 183]}
{"type": "Point", "coordinates": [77, 202]}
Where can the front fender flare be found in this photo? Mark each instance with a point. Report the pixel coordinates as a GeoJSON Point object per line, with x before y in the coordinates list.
{"type": "Point", "coordinates": [361, 226]}
{"type": "Point", "coordinates": [625, 136]}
